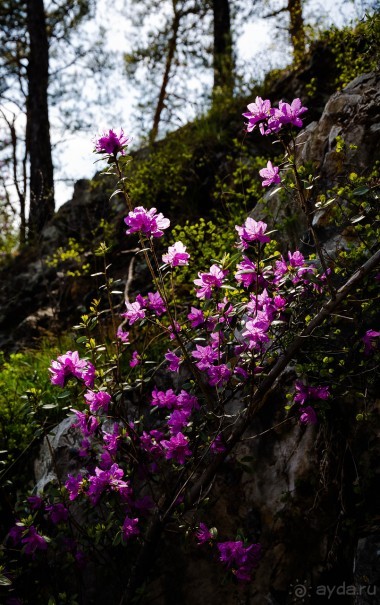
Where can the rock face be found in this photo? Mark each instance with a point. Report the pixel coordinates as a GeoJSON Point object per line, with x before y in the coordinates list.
{"type": "Point", "coordinates": [354, 115]}
{"type": "Point", "coordinates": [57, 455]}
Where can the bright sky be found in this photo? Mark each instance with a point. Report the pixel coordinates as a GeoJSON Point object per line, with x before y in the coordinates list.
{"type": "Point", "coordinates": [74, 157]}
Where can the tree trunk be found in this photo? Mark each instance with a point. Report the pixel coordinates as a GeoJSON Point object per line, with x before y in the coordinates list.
{"type": "Point", "coordinates": [165, 80]}
{"type": "Point", "coordinates": [38, 127]}
{"type": "Point", "coordinates": [223, 60]}
{"type": "Point", "coordinates": [297, 29]}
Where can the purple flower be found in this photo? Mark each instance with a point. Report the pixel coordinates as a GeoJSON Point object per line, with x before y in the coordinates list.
{"type": "Point", "coordinates": [111, 439]}
{"type": "Point", "coordinates": [150, 442]}
{"type": "Point", "coordinates": [369, 345]}
{"type": "Point", "coordinates": [252, 231]}
{"type": "Point", "coordinates": [177, 421]}
{"type": "Point", "coordinates": [270, 175]}
{"type": "Point", "coordinates": [203, 534]}
{"type": "Point", "coordinates": [242, 559]}
{"type": "Point", "coordinates": [88, 375]}
{"type": "Point", "coordinates": [208, 281]}
{"type": "Point", "coordinates": [135, 360]}
{"type": "Point", "coordinates": [147, 221]}
{"type": "Point", "coordinates": [123, 336]}
{"type": "Point", "coordinates": [289, 114]}
{"type": "Point", "coordinates": [134, 312]}
{"type": "Point", "coordinates": [241, 372]}
{"type": "Point", "coordinates": [73, 486]}
{"type": "Point", "coordinates": [58, 512]}
{"type": "Point", "coordinates": [35, 502]}
{"type": "Point", "coordinates": [84, 448]}
{"type": "Point", "coordinates": [247, 273]}
{"type": "Point", "coordinates": [33, 541]}
{"type": "Point", "coordinates": [104, 479]}
{"type": "Point", "coordinates": [273, 125]}
{"type": "Point", "coordinates": [96, 401]}
{"type": "Point", "coordinates": [176, 255]}
{"type": "Point", "coordinates": [295, 266]}
{"type": "Point", "coordinates": [68, 365]}
{"type": "Point", "coordinates": [196, 317]}
{"type": "Point", "coordinates": [85, 422]}
{"type": "Point", "coordinates": [218, 375]}
{"type": "Point", "coordinates": [164, 399]}
{"type": "Point", "coordinates": [258, 111]}
{"type": "Point", "coordinates": [112, 143]}
{"type": "Point", "coordinates": [155, 303]}
{"type": "Point", "coordinates": [106, 460]}
{"type": "Point", "coordinates": [174, 330]}
{"type": "Point", "coordinates": [304, 393]}
{"type": "Point", "coordinates": [173, 360]}
{"type": "Point", "coordinates": [217, 338]}
{"type": "Point", "coordinates": [130, 528]}
{"type": "Point", "coordinates": [97, 484]}
{"type": "Point", "coordinates": [176, 448]}
{"type": "Point", "coordinates": [15, 534]}
{"type": "Point", "coordinates": [217, 445]}
{"type": "Point", "coordinates": [205, 355]}
{"type": "Point", "coordinates": [187, 402]}
{"type": "Point", "coordinates": [308, 416]}
{"type": "Point", "coordinates": [256, 331]}
{"type": "Point", "coordinates": [263, 302]}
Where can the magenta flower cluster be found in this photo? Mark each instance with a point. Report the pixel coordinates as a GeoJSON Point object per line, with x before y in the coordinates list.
{"type": "Point", "coordinates": [70, 365]}
{"type": "Point", "coordinates": [271, 120]}
{"type": "Point", "coordinates": [226, 338]}
{"type": "Point", "coordinates": [147, 222]}
{"type": "Point", "coordinates": [370, 344]}
{"type": "Point", "coordinates": [252, 231]}
{"type": "Point", "coordinates": [305, 394]}
{"type": "Point", "coordinates": [112, 143]}
{"type": "Point", "coordinates": [241, 559]}
{"type": "Point", "coordinates": [176, 255]}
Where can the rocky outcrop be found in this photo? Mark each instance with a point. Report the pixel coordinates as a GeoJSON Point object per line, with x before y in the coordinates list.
{"type": "Point", "coordinates": [353, 115]}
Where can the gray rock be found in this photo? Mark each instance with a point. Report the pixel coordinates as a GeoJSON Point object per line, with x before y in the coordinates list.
{"type": "Point", "coordinates": [367, 570]}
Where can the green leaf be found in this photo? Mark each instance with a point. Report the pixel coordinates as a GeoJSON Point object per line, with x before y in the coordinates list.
{"type": "Point", "coordinates": [361, 190]}
{"type": "Point", "coordinates": [4, 581]}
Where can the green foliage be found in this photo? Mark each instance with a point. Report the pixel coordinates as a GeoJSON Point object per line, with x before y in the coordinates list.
{"type": "Point", "coordinates": [159, 175]}
{"type": "Point", "coordinates": [27, 398]}
{"type": "Point", "coordinates": [352, 207]}
{"type": "Point", "coordinates": [180, 174]}
{"type": "Point", "coordinates": [353, 204]}
{"type": "Point", "coordinates": [355, 48]}
{"type": "Point", "coordinates": [204, 240]}
{"type": "Point", "coordinates": [71, 259]}
{"type": "Point", "coordinates": [8, 235]}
